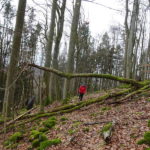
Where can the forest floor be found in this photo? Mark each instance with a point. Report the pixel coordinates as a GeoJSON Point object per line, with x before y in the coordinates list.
{"type": "Point", "coordinates": [131, 119]}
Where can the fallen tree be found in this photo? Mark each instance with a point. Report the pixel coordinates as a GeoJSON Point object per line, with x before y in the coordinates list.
{"type": "Point", "coordinates": [92, 75]}
{"type": "Point", "coordinates": [72, 107]}
{"type": "Point", "coordinates": [137, 88]}
{"type": "Point", "coordinates": [66, 109]}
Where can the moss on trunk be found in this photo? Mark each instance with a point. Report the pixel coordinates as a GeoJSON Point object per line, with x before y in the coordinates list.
{"type": "Point", "coordinates": [92, 75]}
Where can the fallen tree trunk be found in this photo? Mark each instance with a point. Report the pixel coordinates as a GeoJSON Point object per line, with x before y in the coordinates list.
{"type": "Point", "coordinates": [92, 75]}
{"type": "Point", "coordinates": [68, 108]}
{"type": "Point", "coordinates": [143, 89]}
{"type": "Point", "coordinates": [20, 116]}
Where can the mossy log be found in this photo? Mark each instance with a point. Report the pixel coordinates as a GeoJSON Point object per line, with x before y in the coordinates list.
{"type": "Point", "coordinates": [143, 89]}
{"type": "Point", "coordinates": [68, 108]}
{"type": "Point", "coordinates": [106, 131]}
{"type": "Point", "coordinates": [17, 118]}
{"type": "Point", "coordinates": [87, 75]}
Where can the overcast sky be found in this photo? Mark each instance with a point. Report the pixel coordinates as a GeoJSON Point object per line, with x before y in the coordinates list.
{"type": "Point", "coordinates": [99, 17]}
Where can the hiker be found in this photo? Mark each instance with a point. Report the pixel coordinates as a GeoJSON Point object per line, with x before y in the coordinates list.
{"type": "Point", "coordinates": [82, 90]}
{"type": "Point", "coordinates": [30, 102]}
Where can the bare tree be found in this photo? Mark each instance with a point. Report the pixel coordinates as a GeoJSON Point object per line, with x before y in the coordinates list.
{"type": "Point", "coordinates": [60, 24]}
{"type": "Point", "coordinates": [132, 38]}
{"type": "Point", "coordinates": [49, 47]}
{"type": "Point", "coordinates": [126, 36]}
{"type": "Point", "coordinates": [12, 70]}
{"type": "Point", "coordinates": [73, 37]}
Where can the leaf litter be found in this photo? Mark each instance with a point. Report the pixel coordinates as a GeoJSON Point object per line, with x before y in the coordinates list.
{"type": "Point", "coordinates": [131, 118]}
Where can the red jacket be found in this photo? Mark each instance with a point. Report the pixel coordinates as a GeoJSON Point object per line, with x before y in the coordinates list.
{"type": "Point", "coordinates": [82, 89]}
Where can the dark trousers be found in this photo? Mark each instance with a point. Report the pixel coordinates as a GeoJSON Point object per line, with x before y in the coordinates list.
{"type": "Point", "coordinates": [81, 96]}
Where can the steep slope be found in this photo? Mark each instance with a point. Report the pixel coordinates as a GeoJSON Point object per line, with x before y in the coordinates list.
{"type": "Point", "coordinates": [80, 130]}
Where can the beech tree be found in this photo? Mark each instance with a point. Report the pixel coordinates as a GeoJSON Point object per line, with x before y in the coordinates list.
{"type": "Point", "coordinates": [54, 87]}
{"type": "Point", "coordinates": [49, 47]}
{"type": "Point", "coordinates": [12, 70]}
{"type": "Point", "coordinates": [132, 38]}
{"type": "Point", "coordinates": [71, 51]}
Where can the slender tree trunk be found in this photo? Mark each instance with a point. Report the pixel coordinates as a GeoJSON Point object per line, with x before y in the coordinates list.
{"type": "Point", "coordinates": [131, 39]}
{"type": "Point", "coordinates": [54, 79]}
{"type": "Point", "coordinates": [142, 31]}
{"type": "Point", "coordinates": [49, 47]}
{"type": "Point", "coordinates": [73, 37]}
{"type": "Point", "coordinates": [12, 70]}
{"type": "Point", "coordinates": [126, 38]}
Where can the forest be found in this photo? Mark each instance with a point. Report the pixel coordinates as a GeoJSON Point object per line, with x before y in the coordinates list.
{"type": "Point", "coordinates": [48, 53]}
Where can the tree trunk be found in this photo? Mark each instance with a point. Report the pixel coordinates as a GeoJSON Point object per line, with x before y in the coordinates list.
{"type": "Point", "coordinates": [132, 38]}
{"type": "Point", "coordinates": [53, 79]}
{"type": "Point", "coordinates": [12, 70]}
{"type": "Point", "coordinates": [73, 37]}
{"type": "Point", "coordinates": [49, 47]}
{"type": "Point", "coordinates": [126, 38]}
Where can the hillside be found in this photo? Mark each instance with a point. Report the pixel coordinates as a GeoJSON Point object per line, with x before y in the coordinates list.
{"type": "Point", "coordinates": [81, 129]}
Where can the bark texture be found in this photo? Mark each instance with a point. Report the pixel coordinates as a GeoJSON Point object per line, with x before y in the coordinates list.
{"type": "Point", "coordinates": [49, 47]}
{"type": "Point", "coordinates": [131, 39]}
{"type": "Point", "coordinates": [14, 58]}
{"type": "Point", "coordinates": [73, 38]}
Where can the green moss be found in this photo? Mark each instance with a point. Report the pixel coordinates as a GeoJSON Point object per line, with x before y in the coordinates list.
{"type": "Point", "coordinates": [139, 113]}
{"type": "Point", "coordinates": [106, 127]}
{"type": "Point", "coordinates": [43, 129]}
{"type": "Point", "coordinates": [93, 114]}
{"type": "Point", "coordinates": [66, 100]}
{"type": "Point", "coordinates": [6, 143]}
{"type": "Point", "coordinates": [34, 128]}
{"type": "Point", "coordinates": [122, 86]}
{"type": "Point", "coordinates": [146, 139]}
{"type": "Point", "coordinates": [64, 122]}
{"type": "Point", "coordinates": [68, 108]}
{"type": "Point", "coordinates": [148, 100]}
{"type": "Point", "coordinates": [147, 149]}
{"type": "Point", "coordinates": [48, 143]}
{"type": "Point", "coordinates": [140, 142]}
{"type": "Point", "coordinates": [22, 111]}
{"type": "Point", "coordinates": [12, 146]}
{"type": "Point", "coordinates": [30, 148]}
{"type": "Point", "coordinates": [1, 121]}
{"type": "Point", "coordinates": [15, 137]}
{"type": "Point", "coordinates": [57, 129]}
{"type": "Point", "coordinates": [49, 123]}
{"type": "Point", "coordinates": [71, 131]}
{"type": "Point", "coordinates": [22, 129]}
{"type": "Point", "coordinates": [76, 124]}
{"type": "Point", "coordinates": [85, 129]}
{"type": "Point", "coordinates": [34, 134]}
{"type": "Point", "coordinates": [63, 119]}
{"type": "Point", "coordinates": [105, 108]}
{"type": "Point", "coordinates": [35, 143]}
{"type": "Point", "coordinates": [148, 123]}
{"type": "Point", "coordinates": [37, 135]}
{"type": "Point", "coordinates": [53, 118]}
{"type": "Point", "coordinates": [12, 141]}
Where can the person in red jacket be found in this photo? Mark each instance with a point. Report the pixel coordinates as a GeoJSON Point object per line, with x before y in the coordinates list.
{"type": "Point", "coordinates": [82, 91]}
